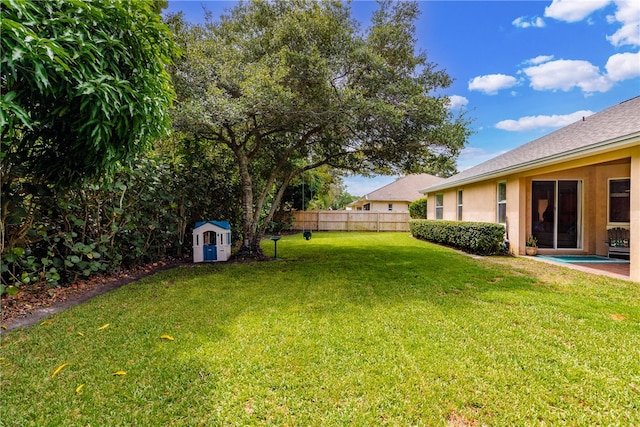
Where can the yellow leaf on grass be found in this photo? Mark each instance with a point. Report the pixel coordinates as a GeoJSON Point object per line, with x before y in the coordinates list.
{"type": "Point", "coordinates": [79, 388]}
{"type": "Point", "coordinates": [81, 334]}
{"type": "Point", "coordinates": [117, 373]}
{"type": "Point", "coordinates": [166, 337]}
{"type": "Point", "coordinates": [46, 322]}
{"type": "Point", "coordinates": [105, 326]}
{"type": "Point", "coordinates": [59, 368]}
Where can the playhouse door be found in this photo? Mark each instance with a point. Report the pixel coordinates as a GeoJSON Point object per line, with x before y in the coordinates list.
{"type": "Point", "coordinates": [210, 253]}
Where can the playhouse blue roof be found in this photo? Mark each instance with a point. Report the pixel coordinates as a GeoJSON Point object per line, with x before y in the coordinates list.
{"type": "Point", "coordinates": [221, 224]}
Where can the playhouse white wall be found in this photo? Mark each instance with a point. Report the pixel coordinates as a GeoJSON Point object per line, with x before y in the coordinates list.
{"type": "Point", "coordinates": [223, 251]}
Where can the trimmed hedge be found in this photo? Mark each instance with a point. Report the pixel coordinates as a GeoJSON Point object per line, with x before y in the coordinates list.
{"type": "Point", "coordinates": [482, 238]}
{"type": "Point", "coordinates": [418, 208]}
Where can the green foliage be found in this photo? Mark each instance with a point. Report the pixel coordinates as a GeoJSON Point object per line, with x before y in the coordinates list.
{"type": "Point", "coordinates": [84, 85]}
{"type": "Point", "coordinates": [141, 214]}
{"type": "Point", "coordinates": [418, 208]}
{"type": "Point", "coordinates": [88, 230]}
{"type": "Point", "coordinates": [320, 188]}
{"type": "Point", "coordinates": [481, 238]}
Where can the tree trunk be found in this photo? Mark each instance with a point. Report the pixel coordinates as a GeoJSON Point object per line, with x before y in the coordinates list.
{"type": "Point", "coordinates": [250, 247]}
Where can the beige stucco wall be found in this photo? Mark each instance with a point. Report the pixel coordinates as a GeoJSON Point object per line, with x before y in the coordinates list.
{"type": "Point", "coordinates": [635, 214]}
{"type": "Point", "coordinates": [479, 202]}
{"type": "Point", "coordinates": [383, 206]}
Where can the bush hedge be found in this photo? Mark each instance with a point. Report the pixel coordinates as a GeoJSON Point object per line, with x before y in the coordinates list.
{"type": "Point", "coordinates": [418, 208]}
{"type": "Point", "coordinates": [480, 238]}
{"type": "Point", "coordinates": [142, 214]}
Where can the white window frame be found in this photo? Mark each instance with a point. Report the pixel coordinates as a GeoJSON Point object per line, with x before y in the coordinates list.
{"type": "Point", "coordinates": [459, 204]}
{"type": "Point", "coordinates": [501, 202]}
{"type": "Point", "coordinates": [609, 222]}
{"type": "Point", "coordinates": [439, 208]}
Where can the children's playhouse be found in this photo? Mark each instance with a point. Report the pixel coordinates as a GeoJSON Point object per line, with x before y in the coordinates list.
{"type": "Point", "coordinates": [211, 241]}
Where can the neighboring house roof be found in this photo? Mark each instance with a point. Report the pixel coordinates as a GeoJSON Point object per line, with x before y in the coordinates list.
{"type": "Point", "coordinates": [406, 188]}
{"type": "Point", "coordinates": [221, 224]}
{"type": "Point", "coordinates": [612, 128]}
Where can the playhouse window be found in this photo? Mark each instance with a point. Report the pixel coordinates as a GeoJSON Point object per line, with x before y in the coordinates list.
{"type": "Point", "coordinates": [209, 237]}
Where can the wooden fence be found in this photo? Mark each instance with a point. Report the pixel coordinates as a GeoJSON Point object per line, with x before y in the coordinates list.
{"type": "Point", "coordinates": [350, 221]}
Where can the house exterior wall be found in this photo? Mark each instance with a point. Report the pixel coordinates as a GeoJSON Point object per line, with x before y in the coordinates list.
{"type": "Point", "coordinates": [383, 206]}
{"type": "Point", "coordinates": [634, 170]}
{"type": "Point", "coordinates": [479, 202]}
{"type": "Point", "coordinates": [594, 172]}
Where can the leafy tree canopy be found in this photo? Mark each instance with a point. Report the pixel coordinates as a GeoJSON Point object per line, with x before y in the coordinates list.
{"type": "Point", "coordinates": [293, 85]}
{"type": "Point", "coordinates": [83, 84]}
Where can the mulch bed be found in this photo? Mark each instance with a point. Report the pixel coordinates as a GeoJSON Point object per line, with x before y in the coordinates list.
{"type": "Point", "coordinates": [34, 303]}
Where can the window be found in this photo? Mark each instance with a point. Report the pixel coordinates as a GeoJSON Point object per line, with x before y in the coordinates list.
{"type": "Point", "coordinates": [366, 207]}
{"type": "Point", "coordinates": [390, 206]}
{"type": "Point", "coordinates": [459, 205]}
{"type": "Point", "coordinates": [209, 238]}
{"type": "Point", "coordinates": [439, 205]}
{"type": "Point", "coordinates": [619, 200]}
{"type": "Point", "coordinates": [556, 213]}
{"type": "Point", "coordinates": [502, 203]}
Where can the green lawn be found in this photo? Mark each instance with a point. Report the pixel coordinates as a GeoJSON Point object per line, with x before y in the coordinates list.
{"type": "Point", "coordinates": [346, 329]}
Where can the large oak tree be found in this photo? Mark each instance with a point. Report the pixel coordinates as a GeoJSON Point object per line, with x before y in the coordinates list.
{"type": "Point", "coordinates": [289, 86]}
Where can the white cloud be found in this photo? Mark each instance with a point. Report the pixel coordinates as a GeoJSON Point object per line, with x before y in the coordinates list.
{"type": "Point", "coordinates": [573, 10]}
{"type": "Point", "coordinates": [457, 101]}
{"type": "Point", "coordinates": [492, 83]}
{"type": "Point", "coordinates": [539, 59]}
{"type": "Point", "coordinates": [628, 14]}
{"type": "Point", "coordinates": [567, 74]}
{"type": "Point", "coordinates": [524, 22]}
{"type": "Point", "coordinates": [623, 66]}
{"type": "Point", "coordinates": [535, 122]}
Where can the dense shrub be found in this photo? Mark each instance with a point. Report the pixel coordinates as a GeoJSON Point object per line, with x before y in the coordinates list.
{"type": "Point", "coordinates": [480, 238]}
{"type": "Point", "coordinates": [143, 213]}
{"type": "Point", "coordinates": [418, 208]}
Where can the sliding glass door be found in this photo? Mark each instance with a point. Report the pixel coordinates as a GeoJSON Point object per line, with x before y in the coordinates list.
{"type": "Point", "coordinates": [556, 214]}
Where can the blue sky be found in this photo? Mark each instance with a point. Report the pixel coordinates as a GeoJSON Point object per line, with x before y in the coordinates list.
{"type": "Point", "coordinates": [521, 69]}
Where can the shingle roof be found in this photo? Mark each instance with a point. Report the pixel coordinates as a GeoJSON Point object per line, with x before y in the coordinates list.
{"type": "Point", "coordinates": [221, 224]}
{"type": "Point", "coordinates": [406, 188]}
{"type": "Point", "coordinates": [600, 130]}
